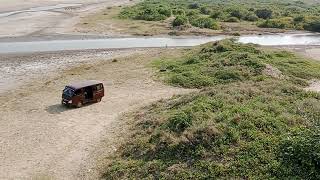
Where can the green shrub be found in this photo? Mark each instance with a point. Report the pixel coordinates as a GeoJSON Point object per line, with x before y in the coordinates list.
{"type": "Point", "coordinates": [165, 11]}
{"type": "Point", "coordinates": [151, 14]}
{"type": "Point", "coordinates": [251, 17]}
{"type": "Point", "coordinates": [180, 12]}
{"type": "Point", "coordinates": [282, 23]}
{"type": "Point", "coordinates": [299, 19]}
{"type": "Point", "coordinates": [205, 10]}
{"type": "Point", "coordinates": [300, 154]}
{"type": "Point", "coordinates": [179, 21]}
{"type": "Point", "coordinates": [179, 122]}
{"type": "Point", "coordinates": [216, 14]}
{"type": "Point", "coordinates": [264, 13]}
{"type": "Point", "coordinates": [313, 26]}
{"type": "Point", "coordinates": [194, 6]}
{"type": "Point", "coordinates": [204, 22]}
{"type": "Point", "coordinates": [238, 13]}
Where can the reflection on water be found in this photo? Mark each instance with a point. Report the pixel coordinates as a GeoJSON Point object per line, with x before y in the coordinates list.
{"type": "Point", "coordinates": [122, 43]}
{"type": "Point", "coordinates": [282, 39]}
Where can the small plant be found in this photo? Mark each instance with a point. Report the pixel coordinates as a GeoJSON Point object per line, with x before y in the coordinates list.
{"type": "Point", "coordinates": [179, 122]}
{"type": "Point", "coordinates": [194, 6]}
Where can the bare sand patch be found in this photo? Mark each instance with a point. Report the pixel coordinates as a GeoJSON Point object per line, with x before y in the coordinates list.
{"type": "Point", "coordinates": [42, 139]}
{"type": "Point", "coordinates": [314, 86]}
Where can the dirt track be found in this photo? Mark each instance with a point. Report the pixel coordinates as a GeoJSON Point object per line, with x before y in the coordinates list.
{"type": "Point", "coordinates": [41, 139]}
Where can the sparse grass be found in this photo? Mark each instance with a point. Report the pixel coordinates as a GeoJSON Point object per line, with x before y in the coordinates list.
{"type": "Point", "coordinates": [241, 125]}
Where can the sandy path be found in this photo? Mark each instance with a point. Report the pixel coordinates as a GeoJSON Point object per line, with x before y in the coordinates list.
{"type": "Point", "coordinates": [41, 139]}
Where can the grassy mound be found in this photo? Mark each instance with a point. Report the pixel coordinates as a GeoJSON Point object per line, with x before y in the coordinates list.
{"type": "Point", "coordinates": [242, 124]}
{"type": "Point", "coordinates": [226, 61]}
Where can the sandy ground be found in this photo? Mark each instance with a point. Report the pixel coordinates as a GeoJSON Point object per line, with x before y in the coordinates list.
{"type": "Point", "coordinates": [314, 86]}
{"type": "Point", "coordinates": [16, 70]}
{"type": "Point", "coordinates": [39, 22]}
{"type": "Point", "coordinates": [41, 139]}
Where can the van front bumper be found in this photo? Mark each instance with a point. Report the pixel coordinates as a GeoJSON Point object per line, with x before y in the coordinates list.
{"type": "Point", "coordinates": [66, 101]}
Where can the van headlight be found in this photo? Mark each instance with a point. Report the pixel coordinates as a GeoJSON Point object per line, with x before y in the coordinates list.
{"type": "Point", "coordinates": [70, 101]}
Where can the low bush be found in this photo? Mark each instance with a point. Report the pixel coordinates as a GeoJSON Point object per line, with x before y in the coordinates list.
{"type": "Point", "coordinates": [313, 26]}
{"type": "Point", "coordinates": [204, 22]}
{"type": "Point", "coordinates": [282, 23]}
{"type": "Point", "coordinates": [264, 13]}
{"type": "Point", "coordinates": [180, 12]}
{"type": "Point", "coordinates": [216, 14]}
{"type": "Point", "coordinates": [251, 17]}
{"type": "Point", "coordinates": [179, 21]}
{"type": "Point", "coordinates": [194, 6]}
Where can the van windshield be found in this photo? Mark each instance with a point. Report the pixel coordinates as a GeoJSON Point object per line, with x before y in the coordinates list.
{"type": "Point", "coordinates": [68, 92]}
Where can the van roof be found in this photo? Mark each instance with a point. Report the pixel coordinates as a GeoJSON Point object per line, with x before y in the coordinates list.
{"type": "Point", "coordinates": [82, 84]}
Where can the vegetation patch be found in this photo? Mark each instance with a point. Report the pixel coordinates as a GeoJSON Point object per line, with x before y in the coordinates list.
{"type": "Point", "coordinates": [227, 61]}
{"type": "Point", "coordinates": [207, 14]}
{"type": "Point", "coordinates": [243, 124]}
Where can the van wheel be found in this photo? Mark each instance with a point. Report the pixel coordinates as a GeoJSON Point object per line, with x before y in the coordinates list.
{"type": "Point", "coordinates": [98, 100]}
{"type": "Point", "coordinates": [79, 104]}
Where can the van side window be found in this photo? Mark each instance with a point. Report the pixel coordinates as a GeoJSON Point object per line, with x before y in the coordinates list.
{"type": "Point", "coordinates": [78, 92]}
{"type": "Point", "coordinates": [99, 87]}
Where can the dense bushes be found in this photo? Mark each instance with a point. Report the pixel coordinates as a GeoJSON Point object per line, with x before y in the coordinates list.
{"type": "Point", "coordinates": [267, 14]}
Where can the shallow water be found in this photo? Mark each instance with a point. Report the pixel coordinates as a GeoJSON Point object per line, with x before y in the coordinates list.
{"type": "Point", "coordinates": [123, 43]}
{"type": "Point", "coordinates": [282, 39]}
